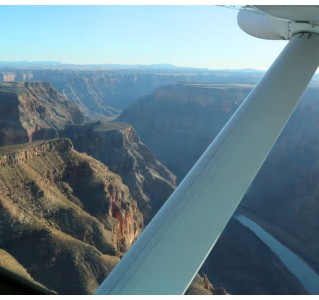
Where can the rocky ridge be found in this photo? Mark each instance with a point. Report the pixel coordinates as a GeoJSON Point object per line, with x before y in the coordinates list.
{"type": "Point", "coordinates": [202, 286]}
{"type": "Point", "coordinates": [9, 156]}
{"type": "Point", "coordinates": [32, 111]}
{"type": "Point", "coordinates": [119, 147]}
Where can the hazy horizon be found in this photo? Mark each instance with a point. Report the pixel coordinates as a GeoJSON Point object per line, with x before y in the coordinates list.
{"type": "Point", "coordinates": [113, 65]}
{"type": "Point", "coordinates": [204, 36]}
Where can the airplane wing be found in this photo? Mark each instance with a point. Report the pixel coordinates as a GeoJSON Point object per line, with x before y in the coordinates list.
{"type": "Point", "coordinates": [170, 251]}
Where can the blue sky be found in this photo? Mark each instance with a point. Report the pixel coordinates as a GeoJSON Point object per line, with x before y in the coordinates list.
{"type": "Point", "coordinates": [195, 36]}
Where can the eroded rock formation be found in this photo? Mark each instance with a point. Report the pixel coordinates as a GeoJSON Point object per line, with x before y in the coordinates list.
{"type": "Point", "coordinates": [119, 147]}
{"type": "Point", "coordinates": [65, 217]}
{"type": "Point", "coordinates": [32, 111]}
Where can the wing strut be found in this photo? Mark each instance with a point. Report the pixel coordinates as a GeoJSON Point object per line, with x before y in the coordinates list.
{"type": "Point", "coordinates": [170, 251]}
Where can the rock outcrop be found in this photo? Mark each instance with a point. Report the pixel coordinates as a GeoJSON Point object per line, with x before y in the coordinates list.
{"type": "Point", "coordinates": [202, 286]}
{"type": "Point", "coordinates": [10, 157]}
{"type": "Point", "coordinates": [32, 111]}
{"type": "Point", "coordinates": [64, 216]}
{"type": "Point", "coordinates": [118, 146]}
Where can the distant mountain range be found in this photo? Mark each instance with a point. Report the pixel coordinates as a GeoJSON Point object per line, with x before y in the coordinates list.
{"type": "Point", "coordinates": [57, 64]}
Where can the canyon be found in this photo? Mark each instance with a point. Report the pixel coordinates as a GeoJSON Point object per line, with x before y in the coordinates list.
{"type": "Point", "coordinates": [156, 137]}
{"type": "Point", "coordinates": [32, 111]}
{"type": "Point", "coordinates": [66, 216]}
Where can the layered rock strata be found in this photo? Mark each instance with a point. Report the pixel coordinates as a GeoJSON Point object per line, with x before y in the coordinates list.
{"type": "Point", "coordinates": [64, 216]}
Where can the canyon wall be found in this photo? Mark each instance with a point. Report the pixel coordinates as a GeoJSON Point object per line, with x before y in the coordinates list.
{"type": "Point", "coordinates": [36, 111]}
{"type": "Point", "coordinates": [64, 216]}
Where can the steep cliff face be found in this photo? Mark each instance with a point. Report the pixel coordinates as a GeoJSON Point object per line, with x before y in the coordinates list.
{"type": "Point", "coordinates": [119, 147]}
{"type": "Point", "coordinates": [179, 121]}
{"type": "Point", "coordinates": [30, 111]}
{"type": "Point", "coordinates": [63, 215]}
